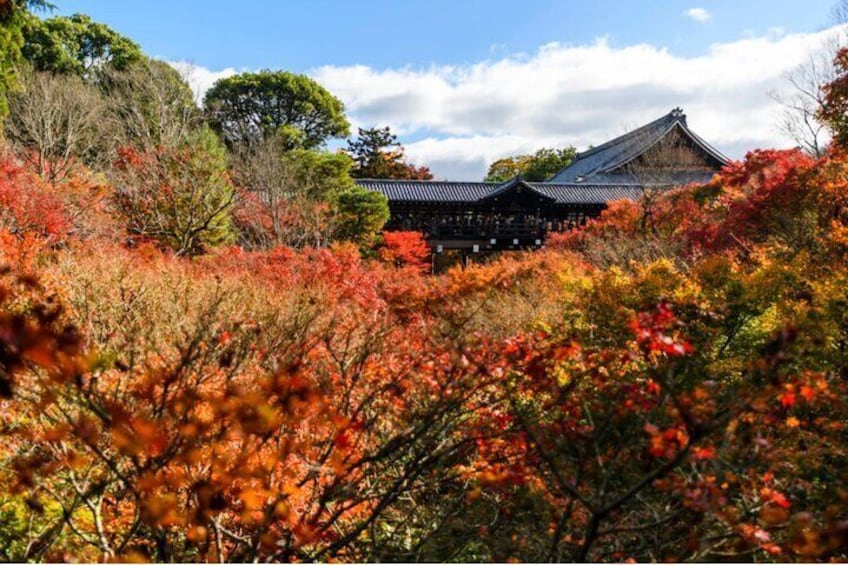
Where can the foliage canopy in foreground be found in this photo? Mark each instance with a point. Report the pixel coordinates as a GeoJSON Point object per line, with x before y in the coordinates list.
{"type": "Point", "coordinates": [673, 393]}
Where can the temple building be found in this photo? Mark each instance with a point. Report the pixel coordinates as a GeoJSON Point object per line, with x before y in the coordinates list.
{"type": "Point", "coordinates": [479, 217]}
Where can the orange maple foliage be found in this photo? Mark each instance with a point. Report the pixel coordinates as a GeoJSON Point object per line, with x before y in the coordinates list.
{"type": "Point", "coordinates": [668, 393]}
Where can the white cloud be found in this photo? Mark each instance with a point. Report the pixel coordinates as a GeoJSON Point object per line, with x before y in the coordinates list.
{"type": "Point", "coordinates": [698, 14]}
{"type": "Point", "coordinates": [200, 79]}
{"type": "Point", "coordinates": [458, 119]}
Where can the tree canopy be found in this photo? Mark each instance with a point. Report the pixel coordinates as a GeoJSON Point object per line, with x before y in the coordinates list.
{"type": "Point", "coordinates": [150, 103]}
{"type": "Point", "coordinates": [617, 396]}
{"type": "Point", "coordinates": [834, 110]}
{"type": "Point", "coordinates": [377, 154]}
{"type": "Point", "coordinates": [535, 167]}
{"type": "Point", "coordinates": [248, 107]}
{"type": "Point", "coordinates": [14, 14]}
{"type": "Point", "coordinates": [76, 45]}
{"type": "Point", "coordinates": [362, 214]}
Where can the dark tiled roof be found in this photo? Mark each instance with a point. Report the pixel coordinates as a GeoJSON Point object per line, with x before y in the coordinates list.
{"type": "Point", "coordinates": [569, 193]}
{"type": "Point", "coordinates": [470, 192]}
{"type": "Point", "coordinates": [429, 191]}
{"type": "Point", "coordinates": [603, 159]}
{"type": "Point", "coordinates": [671, 178]}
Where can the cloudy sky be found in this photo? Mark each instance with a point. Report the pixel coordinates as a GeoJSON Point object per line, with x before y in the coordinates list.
{"type": "Point", "coordinates": [465, 83]}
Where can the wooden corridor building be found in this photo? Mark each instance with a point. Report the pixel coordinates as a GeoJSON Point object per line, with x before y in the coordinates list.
{"type": "Point", "coordinates": [477, 217]}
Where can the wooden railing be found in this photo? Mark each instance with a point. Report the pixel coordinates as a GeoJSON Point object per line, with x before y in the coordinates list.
{"type": "Point", "coordinates": [469, 230]}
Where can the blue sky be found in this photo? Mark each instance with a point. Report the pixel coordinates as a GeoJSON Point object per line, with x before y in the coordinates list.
{"type": "Point", "coordinates": [466, 82]}
{"type": "Point", "coordinates": [301, 35]}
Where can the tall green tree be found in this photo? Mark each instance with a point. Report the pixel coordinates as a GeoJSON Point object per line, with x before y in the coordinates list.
{"type": "Point", "coordinates": [377, 154]}
{"type": "Point", "coordinates": [249, 107]}
{"type": "Point", "coordinates": [13, 16]}
{"type": "Point", "coordinates": [535, 167]}
{"type": "Point", "coordinates": [76, 45]}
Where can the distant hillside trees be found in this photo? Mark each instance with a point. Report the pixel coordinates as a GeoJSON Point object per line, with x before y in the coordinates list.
{"type": "Point", "coordinates": [249, 167]}
{"type": "Point", "coordinates": [86, 90]}
{"type": "Point", "coordinates": [536, 167]}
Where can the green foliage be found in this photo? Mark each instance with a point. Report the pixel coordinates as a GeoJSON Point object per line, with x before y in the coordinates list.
{"type": "Point", "coordinates": [13, 515]}
{"type": "Point", "coordinates": [18, 521]}
{"type": "Point", "coordinates": [319, 175]}
{"type": "Point", "coordinates": [10, 50]}
{"type": "Point", "coordinates": [13, 16]}
{"type": "Point", "coordinates": [249, 107]}
{"type": "Point", "coordinates": [76, 45]}
{"type": "Point", "coordinates": [536, 167]}
{"type": "Point", "coordinates": [378, 155]}
{"type": "Point", "coordinates": [547, 162]}
{"type": "Point", "coordinates": [362, 214]}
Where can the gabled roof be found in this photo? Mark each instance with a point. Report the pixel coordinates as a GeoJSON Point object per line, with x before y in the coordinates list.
{"type": "Point", "coordinates": [517, 183]}
{"type": "Point", "coordinates": [598, 165]}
